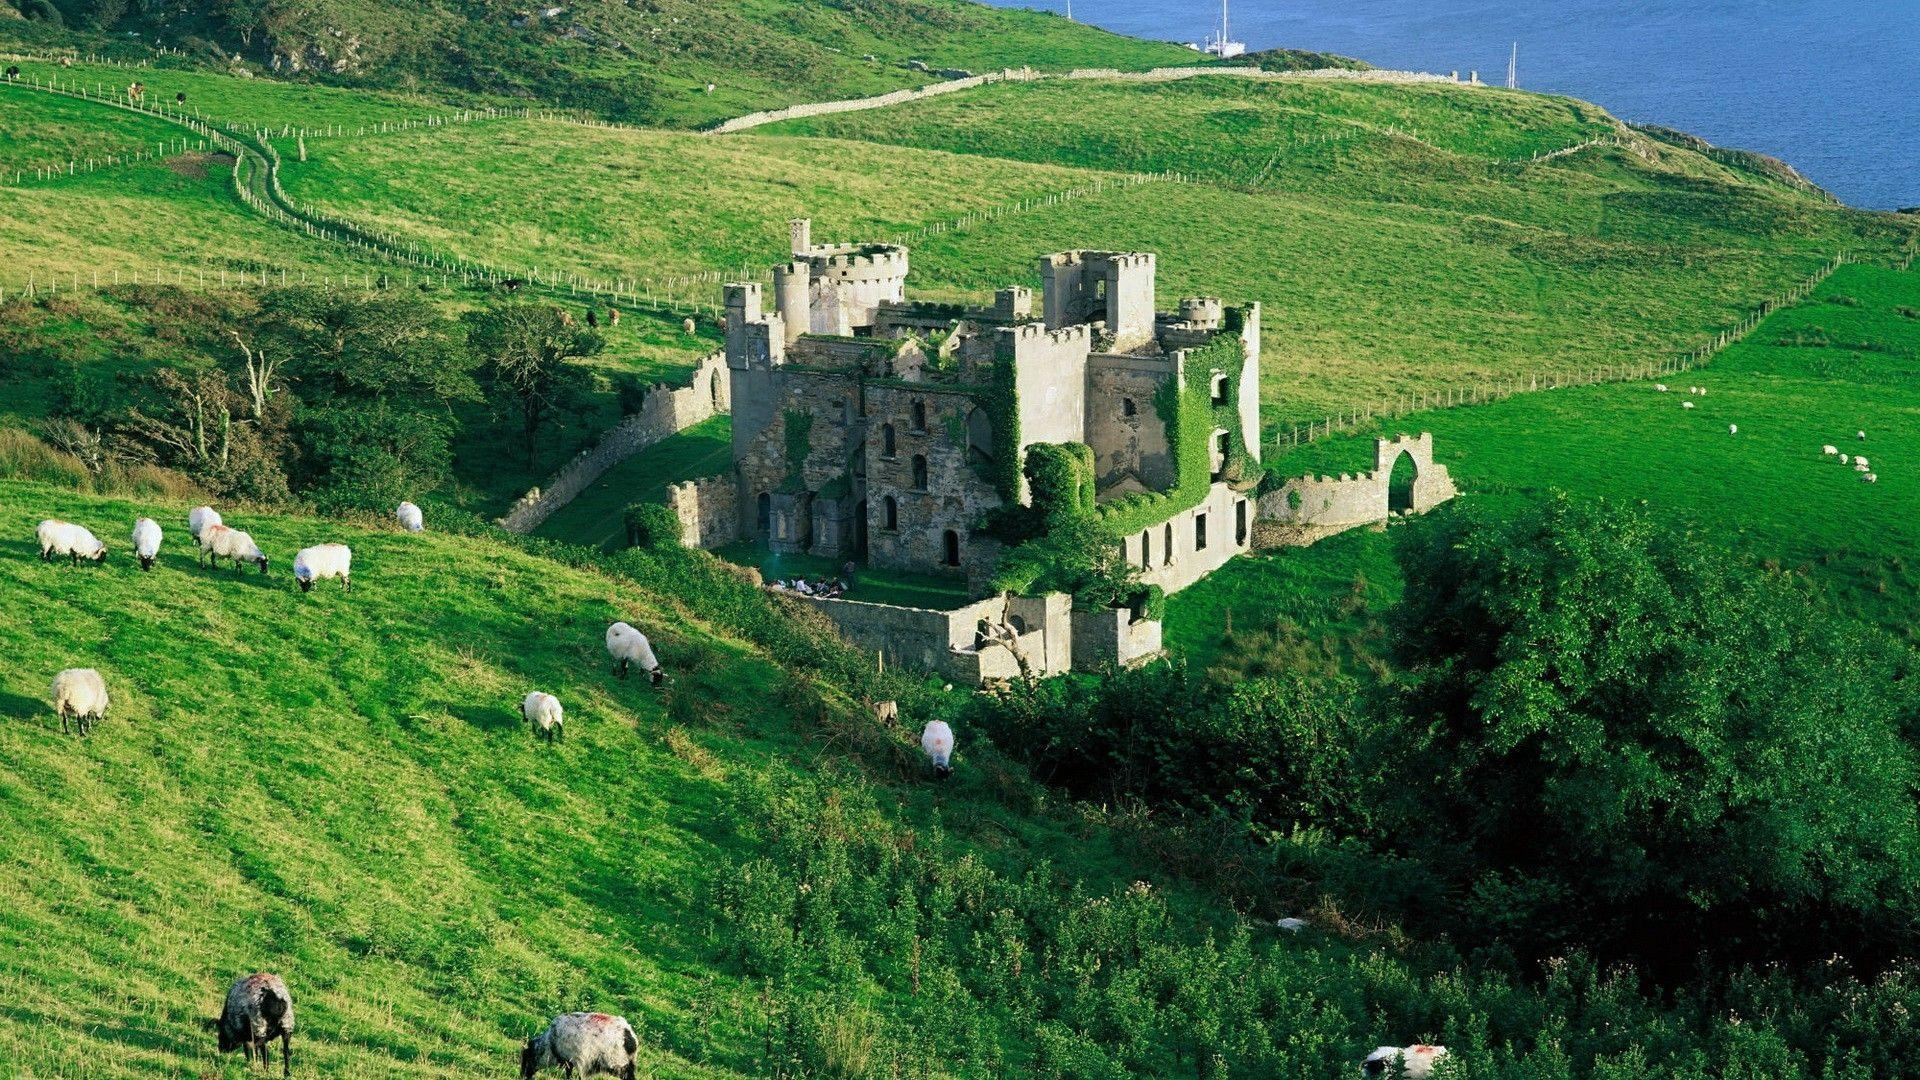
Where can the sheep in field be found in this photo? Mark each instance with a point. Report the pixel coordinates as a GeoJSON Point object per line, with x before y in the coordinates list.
{"type": "Point", "coordinates": [258, 1011]}
{"type": "Point", "coordinates": [80, 694]}
{"type": "Point", "coordinates": [1859, 466]}
{"type": "Point", "coordinates": [223, 542]}
{"type": "Point", "coordinates": [1861, 435]}
{"type": "Point", "coordinates": [1733, 429]}
{"type": "Point", "coordinates": [585, 1045]}
{"type": "Point", "coordinates": [543, 711]}
{"type": "Point", "coordinates": [1829, 450]}
{"type": "Point", "coordinates": [58, 538]}
{"type": "Point", "coordinates": [628, 646]}
{"type": "Point", "coordinates": [1660, 387]}
{"type": "Point", "coordinates": [410, 517]}
{"type": "Point", "coordinates": [1872, 478]}
{"type": "Point", "coordinates": [199, 518]}
{"type": "Point", "coordinates": [937, 741]}
{"type": "Point", "coordinates": [1416, 1062]}
{"type": "Point", "coordinates": [1859, 460]}
{"type": "Point", "coordinates": [146, 542]}
{"type": "Point", "coordinates": [887, 712]}
{"type": "Point", "coordinates": [323, 561]}
{"type": "Point", "coordinates": [1844, 459]}
{"type": "Point", "coordinates": [1686, 404]}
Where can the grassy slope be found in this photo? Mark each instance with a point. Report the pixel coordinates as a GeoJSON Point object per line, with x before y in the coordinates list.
{"type": "Point", "coordinates": [1767, 492]}
{"type": "Point", "coordinates": [641, 204]}
{"type": "Point", "coordinates": [1388, 265]}
{"type": "Point", "coordinates": [596, 518]}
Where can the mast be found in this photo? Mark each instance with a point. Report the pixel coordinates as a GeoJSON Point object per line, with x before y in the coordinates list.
{"type": "Point", "coordinates": [1513, 67]}
{"type": "Point", "coordinates": [1223, 28]}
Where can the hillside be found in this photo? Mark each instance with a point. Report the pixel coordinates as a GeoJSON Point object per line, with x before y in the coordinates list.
{"type": "Point", "coordinates": [648, 63]}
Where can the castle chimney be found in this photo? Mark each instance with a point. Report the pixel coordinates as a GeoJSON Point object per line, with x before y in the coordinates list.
{"type": "Point", "coordinates": [801, 230]}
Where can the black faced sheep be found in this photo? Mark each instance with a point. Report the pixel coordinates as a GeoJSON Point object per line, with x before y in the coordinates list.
{"type": "Point", "coordinates": [409, 517]}
{"type": "Point", "coordinates": [544, 713]}
{"type": "Point", "coordinates": [584, 1044]}
{"type": "Point", "coordinates": [628, 646]}
{"type": "Point", "coordinates": [937, 741]}
{"type": "Point", "coordinates": [80, 694]}
{"type": "Point", "coordinates": [323, 561]}
{"type": "Point", "coordinates": [146, 542]}
{"type": "Point", "coordinates": [259, 1010]}
{"type": "Point", "coordinates": [58, 538]}
{"type": "Point", "coordinates": [221, 542]}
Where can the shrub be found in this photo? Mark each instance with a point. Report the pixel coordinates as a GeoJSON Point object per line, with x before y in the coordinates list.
{"type": "Point", "coordinates": [653, 526]}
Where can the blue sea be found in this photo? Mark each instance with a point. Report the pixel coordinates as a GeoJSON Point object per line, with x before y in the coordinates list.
{"type": "Point", "coordinates": [1831, 86]}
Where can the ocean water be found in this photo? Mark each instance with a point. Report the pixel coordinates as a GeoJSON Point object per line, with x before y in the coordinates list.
{"type": "Point", "coordinates": [1829, 85]}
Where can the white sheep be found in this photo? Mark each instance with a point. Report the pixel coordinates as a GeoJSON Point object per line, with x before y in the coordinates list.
{"type": "Point", "coordinates": [225, 542]}
{"type": "Point", "coordinates": [1844, 459]}
{"type": "Point", "coordinates": [409, 517]}
{"type": "Point", "coordinates": [1416, 1062]}
{"type": "Point", "coordinates": [1733, 429]}
{"type": "Point", "coordinates": [1861, 435]}
{"type": "Point", "coordinates": [1291, 925]}
{"type": "Point", "coordinates": [1860, 461]}
{"type": "Point", "coordinates": [146, 542]}
{"type": "Point", "coordinates": [58, 538]}
{"type": "Point", "coordinates": [80, 694]}
{"type": "Point", "coordinates": [1860, 466]}
{"type": "Point", "coordinates": [543, 711]}
{"type": "Point", "coordinates": [1829, 450]}
{"type": "Point", "coordinates": [1873, 478]}
{"type": "Point", "coordinates": [323, 561]}
{"type": "Point", "coordinates": [585, 1044]}
{"type": "Point", "coordinates": [937, 741]}
{"type": "Point", "coordinates": [1686, 404]}
{"type": "Point", "coordinates": [199, 518]}
{"type": "Point", "coordinates": [628, 646]}
{"type": "Point", "coordinates": [259, 1010]}
{"type": "Point", "coordinates": [887, 712]}
{"type": "Point", "coordinates": [1660, 387]}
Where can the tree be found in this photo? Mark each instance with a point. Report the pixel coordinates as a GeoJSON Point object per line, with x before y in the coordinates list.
{"type": "Point", "coordinates": [1617, 737]}
{"type": "Point", "coordinates": [527, 350]}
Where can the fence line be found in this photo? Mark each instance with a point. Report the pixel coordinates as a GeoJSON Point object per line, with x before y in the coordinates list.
{"type": "Point", "coordinates": [1452, 397]}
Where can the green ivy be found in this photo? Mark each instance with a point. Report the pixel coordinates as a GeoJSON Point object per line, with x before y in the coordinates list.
{"type": "Point", "coordinates": [799, 432]}
{"type": "Point", "coordinates": [1191, 418]}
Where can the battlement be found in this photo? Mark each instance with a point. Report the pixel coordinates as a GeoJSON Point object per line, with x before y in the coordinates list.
{"type": "Point", "coordinates": [1202, 312]}
{"type": "Point", "coordinates": [1065, 335]}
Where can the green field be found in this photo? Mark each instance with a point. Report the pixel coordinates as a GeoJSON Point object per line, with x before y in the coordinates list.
{"type": "Point", "coordinates": [596, 517]}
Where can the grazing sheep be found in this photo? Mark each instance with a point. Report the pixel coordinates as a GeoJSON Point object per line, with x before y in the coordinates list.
{"type": "Point", "coordinates": [409, 517]}
{"type": "Point", "coordinates": [323, 561]}
{"type": "Point", "coordinates": [58, 538]}
{"type": "Point", "coordinates": [1844, 459]}
{"type": "Point", "coordinates": [1416, 1062]}
{"type": "Point", "coordinates": [1861, 435]}
{"type": "Point", "coordinates": [1859, 466]}
{"type": "Point", "coordinates": [628, 646]}
{"type": "Point", "coordinates": [688, 326]}
{"type": "Point", "coordinates": [224, 542]}
{"type": "Point", "coordinates": [584, 1044]}
{"type": "Point", "coordinates": [543, 711]}
{"type": "Point", "coordinates": [1872, 478]}
{"type": "Point", "coordinates": [1660, 387]}
{"type": "Point", "coordinates": [937, 741]}
{"type": "Point", "coordinates": [1733, 429]}
{"type": "Point", "coordinates": [1291, 926]}
{"type": "Point", "coordinates": [887, 712]}
{"type": "Point", "coordinates": [1860, 461]}
{"type": "Point", "coordinates": [1686, 404]}
{"type": "Point", "coordinates": [199, 518]}
{"type": "Point", "coordinates": [146, 542]}
{"type": "Point", "coordinates": [1829, 450]}
{"type": "Point", "coordinates": [258, 1010]}
{"type": "Point", "coordinates": [80, 694]}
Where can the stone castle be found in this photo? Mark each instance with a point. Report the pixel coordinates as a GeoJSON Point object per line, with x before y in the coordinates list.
{"type": "Point", "coordinates": [878, 430]}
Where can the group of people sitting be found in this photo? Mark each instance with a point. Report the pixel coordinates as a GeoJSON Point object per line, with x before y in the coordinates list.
{"type": "Point", "coordinates": [825, 589]}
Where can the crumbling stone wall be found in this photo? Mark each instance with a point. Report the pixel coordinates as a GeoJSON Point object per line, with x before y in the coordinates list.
{"type": "Point", "coordinates": [663, 412]}
{"type": "Point", "coordinates": [1170, 554]}
{"type": "Point", "coordinates": [1308, 508]}
{"type": "Point", "coordinates": [709, 511]}
{"type": "Point", "coordinates": [1125, 429]}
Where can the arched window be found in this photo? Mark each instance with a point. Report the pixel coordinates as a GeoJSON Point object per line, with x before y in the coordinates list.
{"type": "Point", "coordinates": [765, 517]}
{"type": "Point", "coordinates": [892, 513]}
{"type": "Point", "coordinates": [919, 417]}
{"type": "Point", "coordinates": [1199, 532]}
{"type": "Point", "coordinates": [886, 440]}
{"type": "Point", "coordinates": [1219, 389]}
{"type": "Point", "coordinates": [919, 472]}
{"type": "Point", "coordinates": [713, 389]}
{"type": "Point", "coordinates": [952, 552]}
{"type": "Point", "coordinates": [979, 436]}
{"type": "Point", "coordinates": [1146, 549]}
{"type": "Point", "coordinates": [1128, 408]}
{"type": "Point", "coordinates": [1166, 546]}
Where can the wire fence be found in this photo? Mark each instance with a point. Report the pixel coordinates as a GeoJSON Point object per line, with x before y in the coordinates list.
{"type": "Point", "coordinates": [1362, 417]}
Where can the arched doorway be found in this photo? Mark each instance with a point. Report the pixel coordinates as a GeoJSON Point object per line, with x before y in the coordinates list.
{"type": "Point", "coordinates": [860, 532]}
{"type": "Point", "coordinates": [1400, 484]}
{"type": "Point", "coordinates": [979, 436]}
{"type": "Point", "coordinates": [951, 556]}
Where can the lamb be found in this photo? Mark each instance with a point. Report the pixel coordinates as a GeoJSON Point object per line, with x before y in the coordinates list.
{"type": "Point", "coordinates": [628, 646]}
{"type": "Point", "coordinates": [223, 542]}
{"type": "Point", "coordinates": [543, 711]}
{"type": "Point", "coordinates": [323, 561]}
{"type": "Point", "coordinates": [199, 518]}
{"type": "Point", "coordinates": [937, 741]}
{"type": "Point", "coordinates": [258, 1010]}
{"type": "Point", "coordinates": [410, 517]}
{"type": "Point", "coordinates": [80, 693]}
{"type": "Point", "coordinates": [584, 1044]}
{"type": "Point", "coordinates": [146, 542]}
{"type": "Point", "coordinates": [1829, 450]}
{"type": "Point", "coordinates": [1416, 1062]}
{"type": "Point", "coordinates": [59, 538]}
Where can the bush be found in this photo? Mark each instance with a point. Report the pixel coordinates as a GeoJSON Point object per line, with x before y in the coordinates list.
{"type": "Point", "coordinates": [653, 526]}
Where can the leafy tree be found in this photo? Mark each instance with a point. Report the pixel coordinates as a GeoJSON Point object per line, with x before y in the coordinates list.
{"type": "Point", "coordinates": [527, 350]}
{"type": "Point", "coordinates": [1615, 736]}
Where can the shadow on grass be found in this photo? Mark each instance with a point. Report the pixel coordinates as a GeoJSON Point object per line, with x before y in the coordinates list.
{"type": "Point", "coordinates": [502, 717]}
{"type": "Point", "coordinates": [21, 707]}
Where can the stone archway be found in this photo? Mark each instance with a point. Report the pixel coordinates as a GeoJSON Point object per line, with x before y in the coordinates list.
{"type": "Point", "coordinates": [1400, 484]}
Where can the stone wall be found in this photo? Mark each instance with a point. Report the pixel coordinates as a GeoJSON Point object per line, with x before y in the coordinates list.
{"type": "Point", "coordinates": [1124, 425]}
{"type": "Point", "coordinates": [1171, 554]}
{"type": "Point", "coordinates": [1113, 637]}
{"type": "Point", "coordinates": [901, 97]}
{"type": "Point", "coordinates": [1308, 508]}
{"type": "Point", "coordinates": [709, 511]}
{"type": "Point", "coordinates": [663, 413]}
